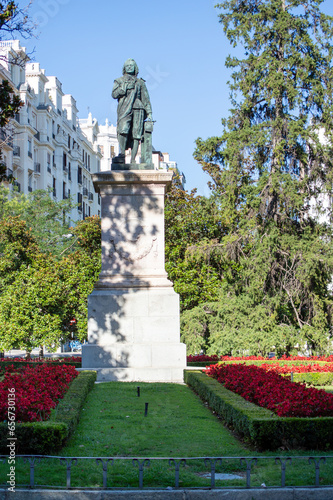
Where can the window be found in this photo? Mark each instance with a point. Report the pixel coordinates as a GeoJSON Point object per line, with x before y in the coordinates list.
{"type": "Point", "coordinates": [29, 148]}
{"type": "Point", "coordinates": [112, 153]}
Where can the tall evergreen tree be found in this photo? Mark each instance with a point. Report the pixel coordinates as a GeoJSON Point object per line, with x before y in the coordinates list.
{"type": "Point", "coordinates": [271, 170]}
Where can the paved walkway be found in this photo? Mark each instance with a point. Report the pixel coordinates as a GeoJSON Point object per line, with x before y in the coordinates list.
{"type": "Point", "coordinates": [232, 494]}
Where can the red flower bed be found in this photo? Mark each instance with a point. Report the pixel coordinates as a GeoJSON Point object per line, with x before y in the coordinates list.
{"type": "Point", "coordinates": [37, 390]}
{"type": "Point", "coordinates": [44, 360]}
{"type": "Point", "coordinates": [270, 390]}
{"type": "Point", "coordinates": [215, 357]}
{"type": "Point", "coordinates": [202, 357]}
{"type": "Point", "coordinates": [275, 367]}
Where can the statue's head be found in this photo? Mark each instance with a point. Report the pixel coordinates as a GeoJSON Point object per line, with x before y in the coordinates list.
{"type": "Point", "coordinates": [130, 67]}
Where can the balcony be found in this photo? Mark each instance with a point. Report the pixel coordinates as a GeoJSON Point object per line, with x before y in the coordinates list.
{"type": "Point", "coordinates": [37, 168]}
{"type": "Point", "coordinates": [75, 154]}
{"type": "Point", "coordinates": [85, 192]}
{"type": "Point", "coordinates": [65, 169]}
{"type": "Point", "coordinates": [91, 196]}
{"type": "Point", "coordinates": [37, 136]}
{"type": "Point", "coordinates": [16, 151]}
{"type": "Point", "coordinates": [54, 165]}
{"type": "Point", "coordinates": [49, 168]}
{"type": "Point", "coordinates": [6, 138]}
{"type": "Point", "coordinates": [79, 179]}
{"type": "Point", "coordinates": [65, 195]}
{"type": "Point", "coordinates": [61, 139]}
{"type": "Point", "coordinates": [30, 154]}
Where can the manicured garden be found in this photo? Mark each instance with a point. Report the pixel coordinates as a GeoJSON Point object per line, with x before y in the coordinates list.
{"type": "Point", "coordinates": [108, 420]}
{"type": "Point", "coordinates": [266, 388]}
{"type": "Point", "coordinates": [178, 424]}
{"type": "Point", "coordinates": [40, 404]}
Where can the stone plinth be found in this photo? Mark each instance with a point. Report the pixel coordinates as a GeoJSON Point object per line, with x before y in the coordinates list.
{"type": "Point", "coordinates": [133, 312]}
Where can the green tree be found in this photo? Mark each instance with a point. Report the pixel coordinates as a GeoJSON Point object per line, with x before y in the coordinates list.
{"type": "Point", "coordinates": [191, 220]}
{"type": "Point", "coordinates": [80, 270]}
{"type": "Point", "coordinates": [47, 219]}
{"type": "Point", "coordinates": [40, 294]}
{"type": "Point", "coordinates": [271, 169]}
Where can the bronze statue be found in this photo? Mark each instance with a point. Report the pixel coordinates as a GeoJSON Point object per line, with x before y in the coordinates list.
{"type": "Point", "coordinates": [133, 109]}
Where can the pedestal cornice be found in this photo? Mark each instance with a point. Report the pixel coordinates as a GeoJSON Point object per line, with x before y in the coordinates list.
{"type": "Point", "coordinates": [133, 177]}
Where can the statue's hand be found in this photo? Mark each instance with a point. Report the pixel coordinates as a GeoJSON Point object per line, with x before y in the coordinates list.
{"type": "Point", "coordinates": [130, 85]}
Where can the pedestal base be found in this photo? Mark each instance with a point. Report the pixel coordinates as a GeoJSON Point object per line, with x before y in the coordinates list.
{"type": "Point", "coordinates": [133, 335]}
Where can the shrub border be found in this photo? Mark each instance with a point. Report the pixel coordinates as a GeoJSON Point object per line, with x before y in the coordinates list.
{"type": "Point", "coordinates": [42, 438]}
{"type": "Point", "coordinates": [263, 429]}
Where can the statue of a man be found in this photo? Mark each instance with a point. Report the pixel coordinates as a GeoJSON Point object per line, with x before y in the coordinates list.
{"type": "Point", "coordinates": [133, 108]}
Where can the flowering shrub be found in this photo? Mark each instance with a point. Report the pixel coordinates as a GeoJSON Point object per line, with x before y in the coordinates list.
{"type": "Point", "coordinates": [276, 367]}
{"type": "Point", "coordinates": [271, 391]}
{"type": "Point", "coordinates": [215, 357]}
{"type": "Point", "coordinates": [44, 360]}
{"type": "Point", "coordinates": [202, 357]}
{"type": "Point", "coordinates": [37, 390]}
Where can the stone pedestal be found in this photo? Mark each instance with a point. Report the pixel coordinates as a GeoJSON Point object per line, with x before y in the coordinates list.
{"type": "Point", "coordinates": [133, 312]}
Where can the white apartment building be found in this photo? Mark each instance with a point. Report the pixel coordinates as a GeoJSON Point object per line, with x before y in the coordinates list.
{"type": "Point", "coordinates": [44, 148]}
{"type": "Point", "coordinates": [47, 147]}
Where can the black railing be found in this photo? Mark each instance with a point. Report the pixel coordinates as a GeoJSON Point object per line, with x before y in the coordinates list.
{"type": "Point", "coordinates": [91, 196]}
{"type": "Point", "coordinates": [85, 191]}
{"type": "Point", "coordinates": [17, 151]}
{"type": "Point", "coordinates": [37, 168]}
{"type": "Point", "coordinates": [206, 468]}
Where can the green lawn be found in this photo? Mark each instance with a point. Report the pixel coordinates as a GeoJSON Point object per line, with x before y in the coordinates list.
{"type": "Point", "coordinates": [178, 424]}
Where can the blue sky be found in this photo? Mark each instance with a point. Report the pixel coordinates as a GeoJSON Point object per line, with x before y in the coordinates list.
{"type": "Point", "coordinates": [180, 49]}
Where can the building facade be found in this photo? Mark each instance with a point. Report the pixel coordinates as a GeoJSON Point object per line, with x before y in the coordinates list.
{"type": "Point", "coordinates": [47, 146]}
{"type": "Point", "coordinates": [44, 147]}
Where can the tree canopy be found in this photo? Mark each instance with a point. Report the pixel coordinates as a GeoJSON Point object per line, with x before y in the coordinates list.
{"type": "Point", "coordinates": [43, 291]}
{"type": "Point", "coordinates": [271, 178]}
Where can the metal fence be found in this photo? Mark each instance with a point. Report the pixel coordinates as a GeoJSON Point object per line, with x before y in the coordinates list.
{"type": "Point", "coordinates": [176, 465]}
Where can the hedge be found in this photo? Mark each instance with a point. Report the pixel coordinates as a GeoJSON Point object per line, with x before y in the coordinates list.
{"type": "Point", "coordinates": [314, 378]}
{"type": "Point", "coordinates": [260, 427]}
{"type": "Point", "coordinates": [42, 438]}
